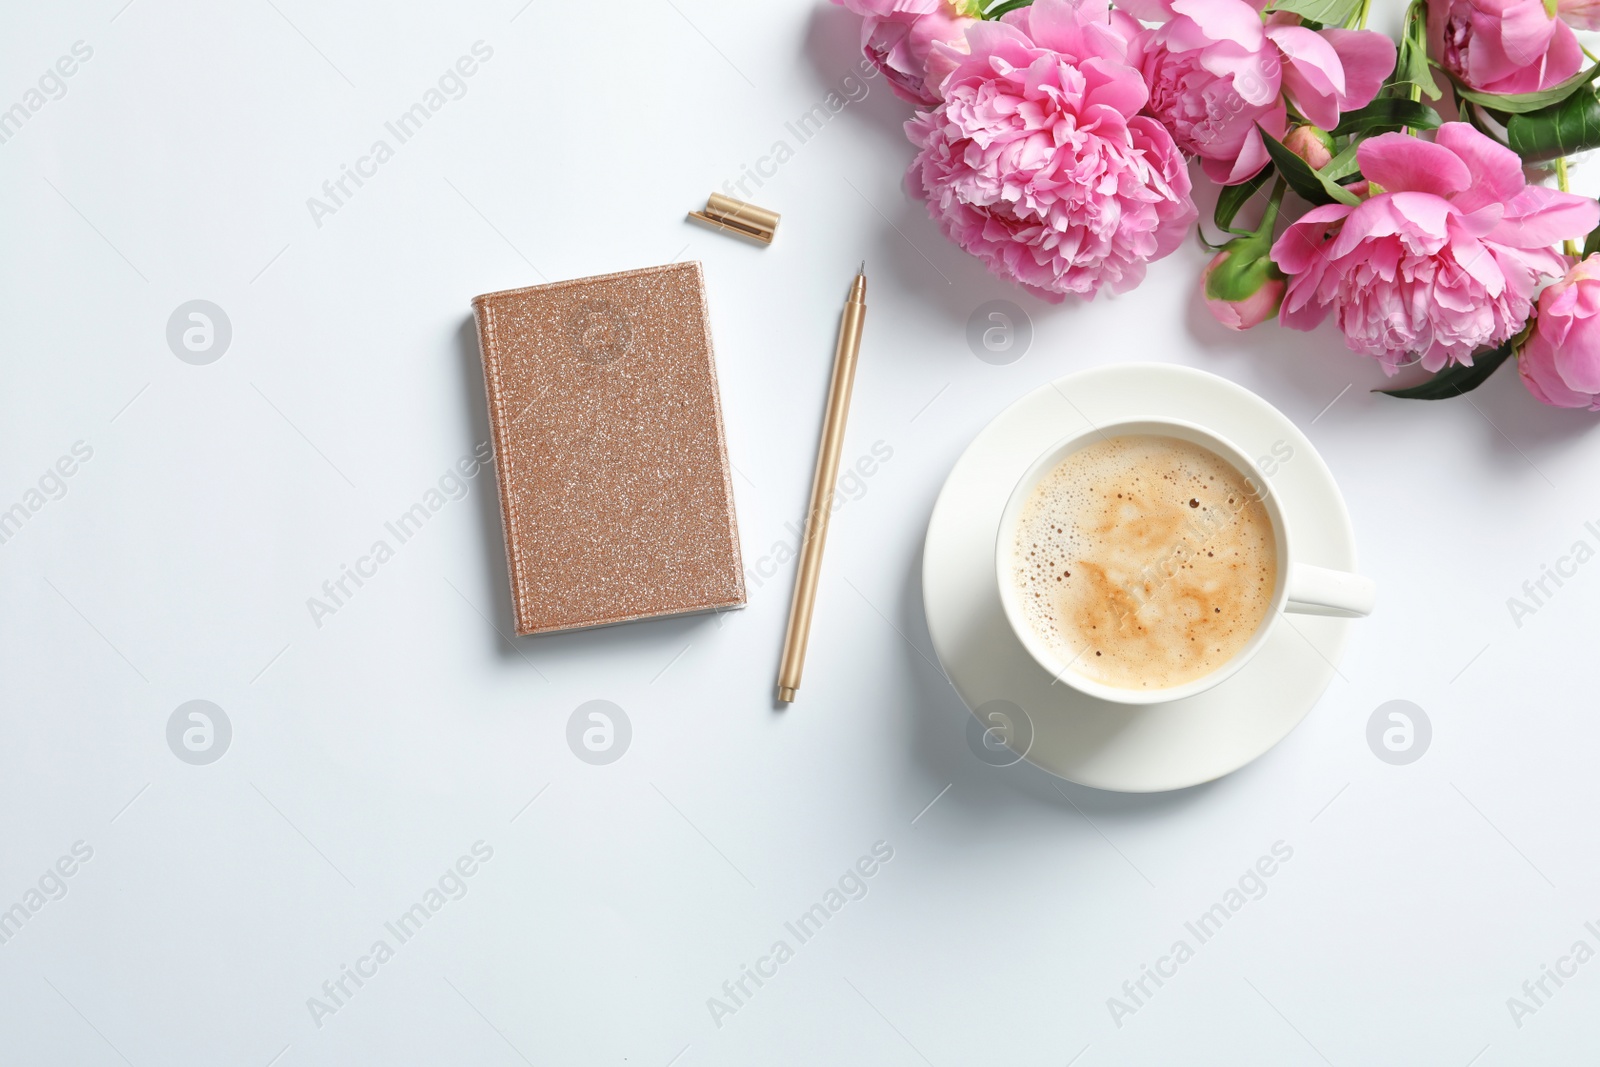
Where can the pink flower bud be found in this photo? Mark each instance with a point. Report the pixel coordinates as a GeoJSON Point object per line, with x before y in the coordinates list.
{"type": "Point", "coordinates": [1310, 144]}
{"type": "Point", "coordinates": [1241, 293]}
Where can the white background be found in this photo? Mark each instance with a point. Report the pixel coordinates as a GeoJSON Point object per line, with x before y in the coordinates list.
{"type": "Point", "coordinates": [369, 754]}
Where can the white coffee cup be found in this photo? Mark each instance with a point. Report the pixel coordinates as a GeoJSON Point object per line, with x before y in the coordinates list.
{"type": "Point", "coordinates": [1300, 587]}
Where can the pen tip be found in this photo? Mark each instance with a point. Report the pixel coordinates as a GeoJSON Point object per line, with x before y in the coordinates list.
{"type": "Point", "coordinates": [863, 268]}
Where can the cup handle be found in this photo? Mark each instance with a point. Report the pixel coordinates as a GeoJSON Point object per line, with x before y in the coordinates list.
{"type": "Point", "coordinates": [1320, 591]}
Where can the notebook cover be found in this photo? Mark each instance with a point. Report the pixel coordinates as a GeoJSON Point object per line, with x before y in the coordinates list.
{"type": "Point", "coordinates": [609, 450]}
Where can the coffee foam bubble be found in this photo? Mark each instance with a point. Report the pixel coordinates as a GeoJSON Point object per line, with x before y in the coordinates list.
{"type": "Point", "coordinates": [1144, 561]}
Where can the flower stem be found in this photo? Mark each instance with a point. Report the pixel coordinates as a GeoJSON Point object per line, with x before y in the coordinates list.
{"type": "Point", "coordinates": [1270, 217]}
{"type": "Point", "coordinates": [1569, 246]}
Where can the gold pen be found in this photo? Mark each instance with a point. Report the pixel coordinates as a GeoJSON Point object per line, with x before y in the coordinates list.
{"type": "Point", "coordinates": [822, 483]}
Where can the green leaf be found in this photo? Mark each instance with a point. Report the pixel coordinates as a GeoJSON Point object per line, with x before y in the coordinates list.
{"type": "Point", "coordinates": [1387, 114]}
{"type": "Point", "coordinates": [1560, 130]}
{"type": "Point", "coordinates": [1522, 103]}
{"type": "Point", "coordinates": [1327, 12]}
{"type": "Point", "coordinates": [1592, 245]}
{"type": "Point", "coordinates": [1345, 164]}
{"type": "Point", "coordinates": [1309, 184]}
{"type": "Point", "coordinates": [1458, 378]}
{"type": "Point", "coordinates": [1234, 197]}
{"type": "Point", "coordinates": [1411, 68]}
{"type": "Point", "coordinates": [1004, 7]}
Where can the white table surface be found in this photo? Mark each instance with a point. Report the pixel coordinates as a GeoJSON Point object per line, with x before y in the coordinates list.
{"type": "Point", "coordinates": [371, 753]}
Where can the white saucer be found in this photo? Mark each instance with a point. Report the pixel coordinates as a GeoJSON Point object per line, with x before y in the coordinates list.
{"type": "Point", "coordinates": [1136, 749]}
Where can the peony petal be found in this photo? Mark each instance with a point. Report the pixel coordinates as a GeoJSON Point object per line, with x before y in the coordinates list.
{"type": "Point", "coordinates": [1255, 76]}
{"type": "Point", "coordinates": [1496, 170]}
{"type": "Point", "coordinates": [1110, 84]}
{"type": "Point", "coordinates": [1418, 216]}
{"type": "Point", "coordinates": [1246, 160]}
{"type": "Point", "coordinates": [1223, 20]}
{"type": "Point", "coordinates": [1538, 370]}
{"type": "Point", "coordinates": [1241, 167]}
{"type": "Point", "coordinates": [1300, 245]}
{"type": "Point", "coordinates": [1578, 360]}
{"type": "Point", "coordinates": [1311, 61]}
{"type": "Point", "coordinates": [1398, 161]}
{"type": "Point", "coordinates": [1555, 315]}
{"type": "Point", "coordinates": [1107, 38]}
{"type": "Point", "coordinates": [1530, 68]}
{"type": "Point", "coordinates": [943, 61]}
{"type": "Point", "coordinates": [889, 7]}
{"type": "Point", "coordinates": [991, 38]}
{"type": "Point", "coordinates": [1368, 57]}
{"type": "Point", "coordinates": [1478, 262]}
{"type": "Point", "coordinates": [1510, 40]}
{"type": "Point", "coordinates": [1585, 301]}
{"type": "Point", "coordinates": [1302, 314]}
{"type": "Point", "coordinates": [1321, 108]}
{"type": "Point", "coordinates": [1579, 14]}
{"type": "Point", "coordinates": [1538, 217]}
{"type": "Point", "coordinates": [1121, 23]}
{"type": "Point", "coordinates": [1480, 223]}
{"type": "Point", "coordinates": [1275, 121]}
{"type": "Point", "coordinates": [1148, 10]}
{"type": "Point", "coordinates": [1055, 24]}
{"type": "Point", "coordinates": [1424, 211]}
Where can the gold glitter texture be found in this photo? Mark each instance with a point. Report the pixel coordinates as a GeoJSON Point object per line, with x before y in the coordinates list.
{"type": "Point", "coordinates": [609, 451]}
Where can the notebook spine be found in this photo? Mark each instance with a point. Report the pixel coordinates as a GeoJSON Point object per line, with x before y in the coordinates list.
{"type": "Point", "coordinates": [499, 428]}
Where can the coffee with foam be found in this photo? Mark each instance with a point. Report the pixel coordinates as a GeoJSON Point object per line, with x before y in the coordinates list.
{"type": "Point", "coordinates": [1144, 561]}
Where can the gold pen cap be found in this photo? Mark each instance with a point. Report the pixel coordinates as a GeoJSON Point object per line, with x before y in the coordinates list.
{"type": "Point", "coordinates": [736, 216]}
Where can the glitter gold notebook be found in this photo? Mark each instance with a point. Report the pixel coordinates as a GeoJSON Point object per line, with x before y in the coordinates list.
{"type": "Point", "coordinates": [609, 450]}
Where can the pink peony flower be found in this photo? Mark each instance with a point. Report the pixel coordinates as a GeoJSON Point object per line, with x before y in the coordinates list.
{"type": "Point", "coordinates": [1503, 46]}
{"type": "Point", "coordinates": [1215, 71]}
{"type": "Point", "coordinates": [899, 37]}
{"type": "Point", "coordinates": [1444, 259]}
{"type": "Point", "coordinates": [1560, 361]}
{"type": "Point", "coordinates": [1038, 161]}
